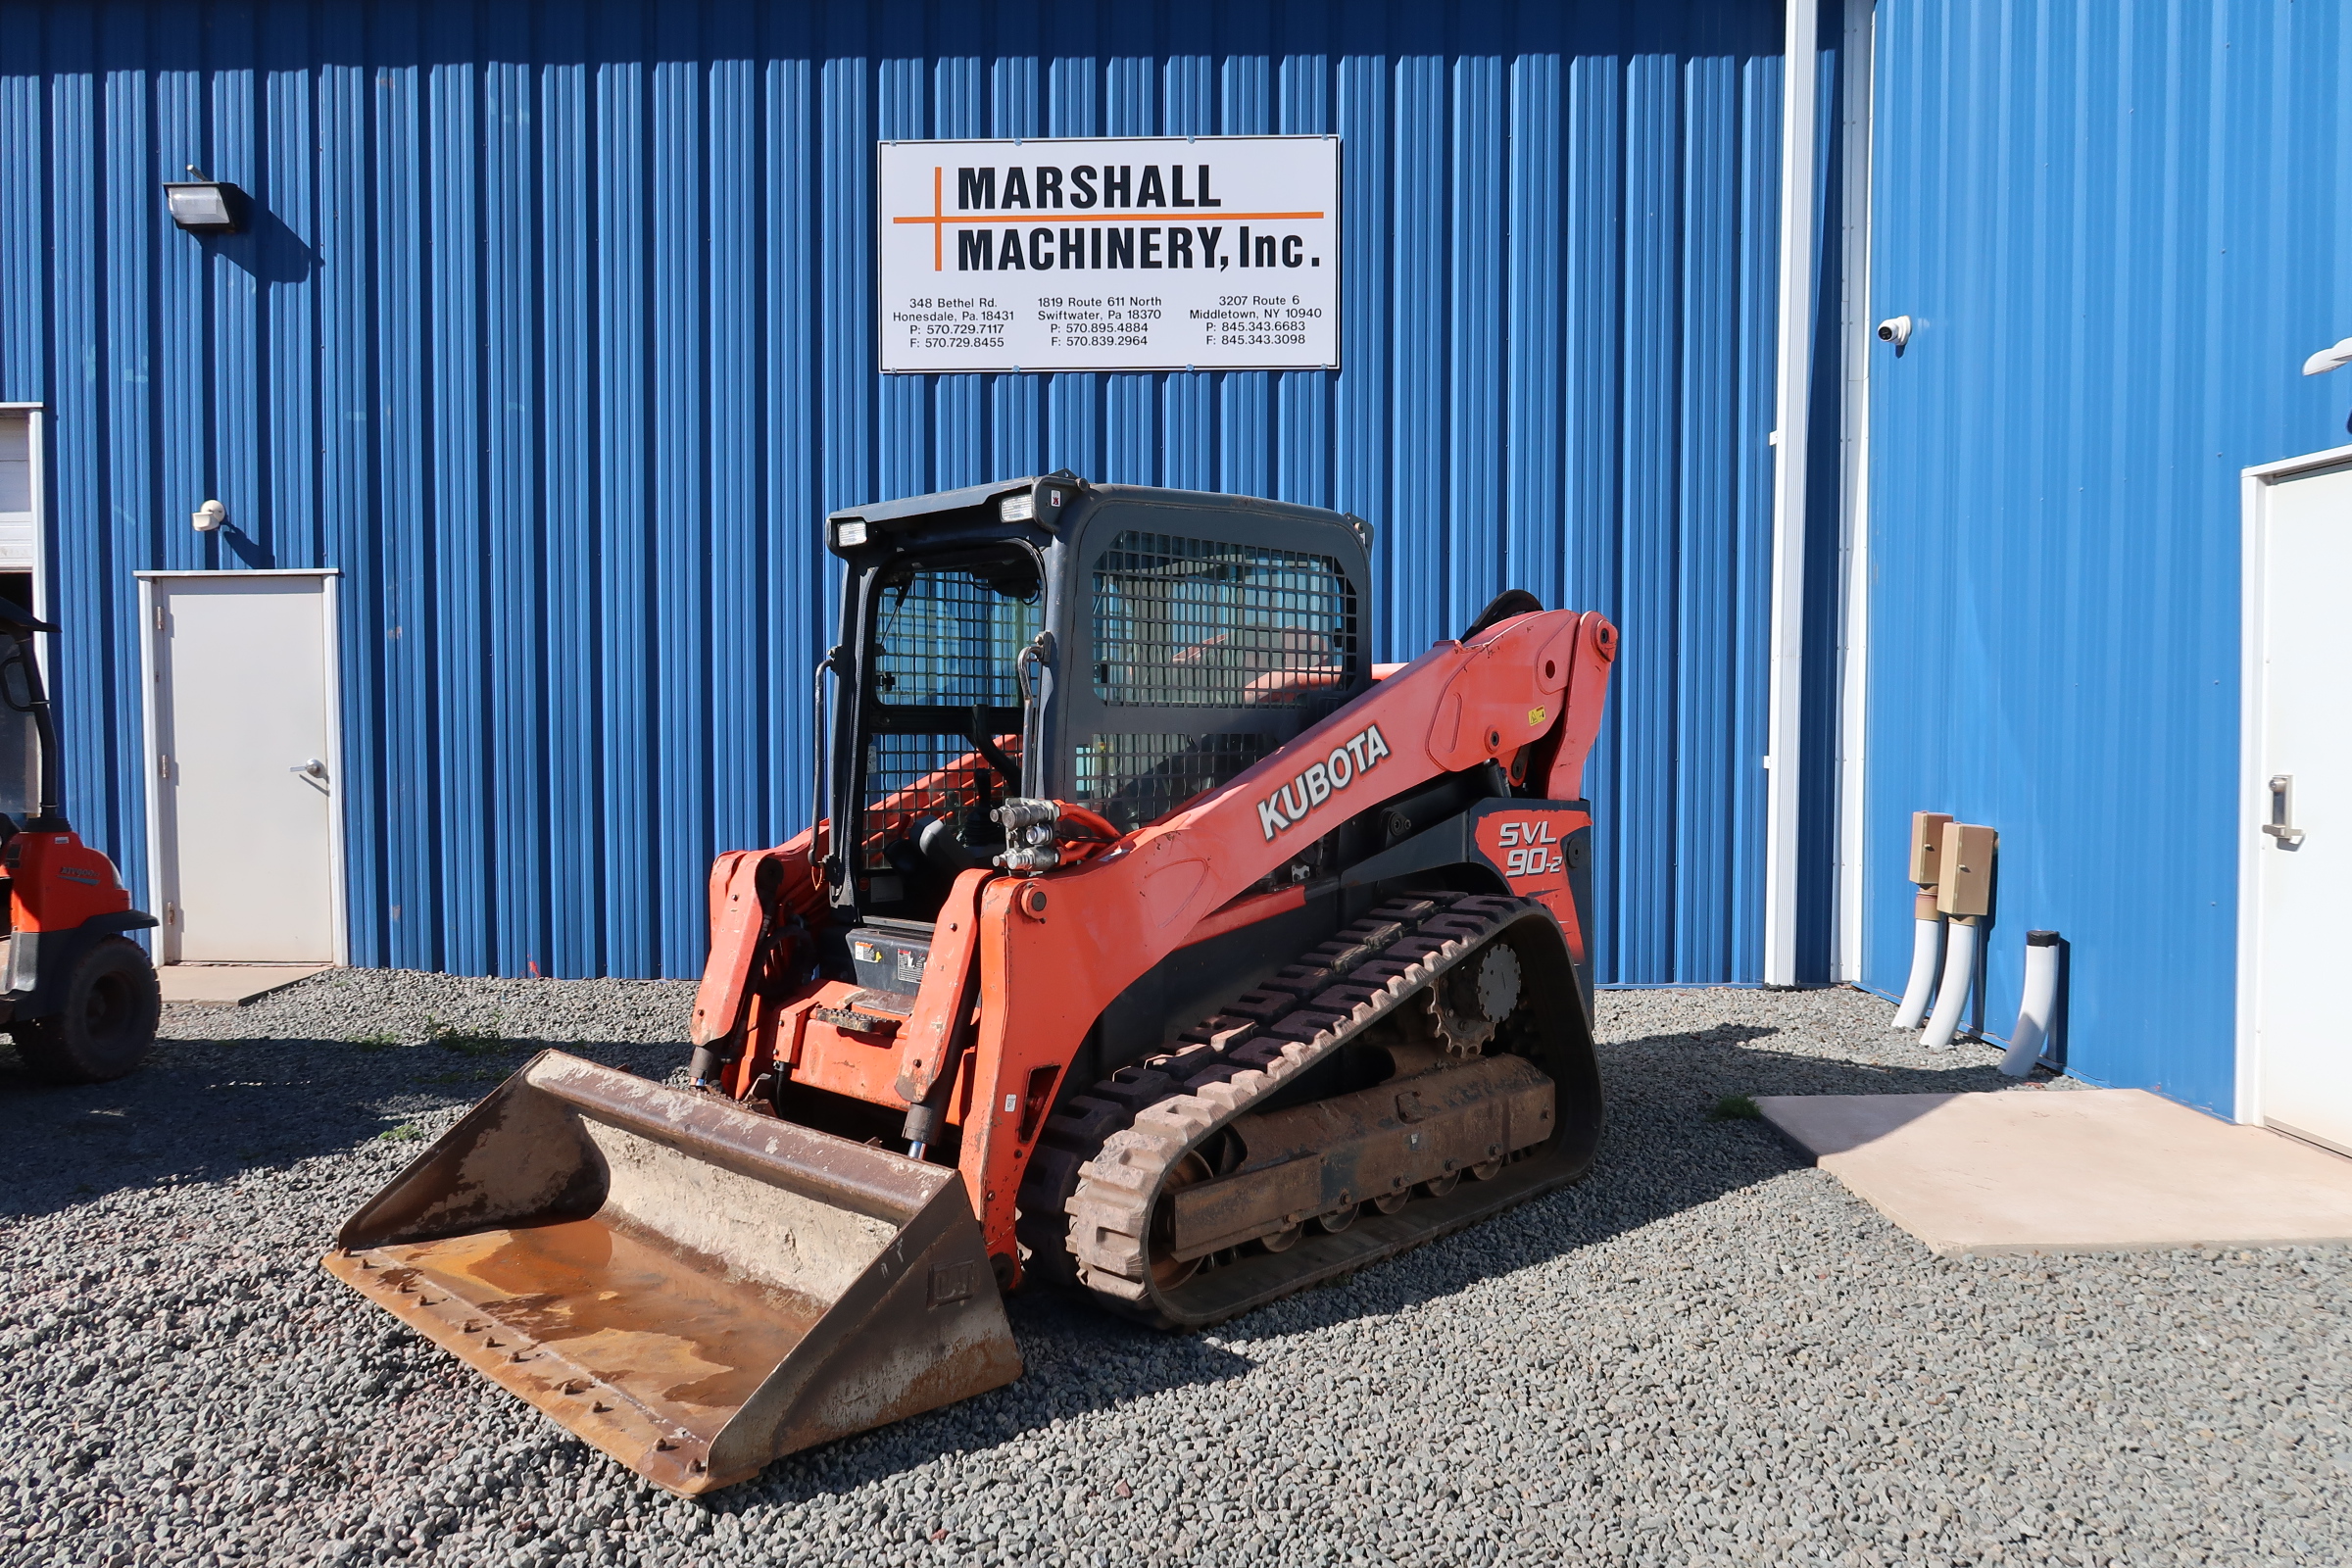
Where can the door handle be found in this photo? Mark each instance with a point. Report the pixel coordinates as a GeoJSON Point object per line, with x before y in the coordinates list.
{"type": "Point", "coordinates": [2282, 825]}
{"type": "Point", "coordinates": [314, 768]}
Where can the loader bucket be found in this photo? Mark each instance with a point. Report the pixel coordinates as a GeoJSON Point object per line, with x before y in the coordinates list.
{"type": "Point", "coordinates": [691, 1287]}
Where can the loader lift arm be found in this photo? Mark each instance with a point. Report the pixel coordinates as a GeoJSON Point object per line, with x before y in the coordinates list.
{"type": "Point", "coordinates": [1056, 960]}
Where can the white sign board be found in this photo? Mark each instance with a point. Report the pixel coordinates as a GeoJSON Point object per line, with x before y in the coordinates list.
{"type": "Point", "coordinates": [1143, 254]}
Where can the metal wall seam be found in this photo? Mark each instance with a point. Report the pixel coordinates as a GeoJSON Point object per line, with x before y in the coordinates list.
{"type": "Point", "coordinates": [1303, 400]}
{"type": "Point", "coordinates": [288, 289]}
{"type": "Point", "coordinates": [796, 620]}
{"type": "Point", "coordinates": [452, 368]}
{"type": "Point", "coordinates": [81, 668]}
{"type": "Point", "coordinates": [516, 518]}
{"type": "Point", "coordinates": [1476, 181]}
{"type": "Point", "coordinates": [24, 225]}
{"type": "Point", "coordinates": [1649, 667]}
{"type": "Point", "coordinates": [1591, 416]}
{"type": "Point", "coordinates": [387, 875]}
{"type": "Point", "coordinates": [1706, 519]}
{"type": "Point", "coordinates": [623, 673]}
{"type": "Point", "coordinates": [1748, 650]}
{"type": "Point", "coordinates": [1360, 395]}
{"type": "Point", "coordinates": [125, 402]}
{"type": "Point", "coordinates": [1410, 579]}
{"type": "Point", "coordinates": [733, 549]}
{"type": "Point", "coordinates": [682, 344]}
{"type": "Point", "coordinates": [1533, 500]}
{"type": "Point", "coordinates": [566, 568]}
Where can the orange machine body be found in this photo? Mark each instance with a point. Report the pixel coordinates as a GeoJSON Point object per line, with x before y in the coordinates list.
{"type": "Point", "coordinates": [58, 883]}
{"type": "Point", "coordinates": [1021, 967]}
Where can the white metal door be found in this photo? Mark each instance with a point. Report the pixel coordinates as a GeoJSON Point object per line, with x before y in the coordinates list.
{"type": "Point", "coordinates": [2298, 840]}
{"type": "Point", "coordinates": [244, 763]}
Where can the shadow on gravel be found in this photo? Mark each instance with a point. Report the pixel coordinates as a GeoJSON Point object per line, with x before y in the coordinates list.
{"type": "Point", "coordinates": [1659, 1157]}
{"type": "Point", "coordinates": [1077, 1360]}
{"type": "Point", "coordinates": [207, 1110]}
{"type": "Point", "coordinates": [1660, 1154]}
{"type": "Point", "coordinates": [210, 1110]}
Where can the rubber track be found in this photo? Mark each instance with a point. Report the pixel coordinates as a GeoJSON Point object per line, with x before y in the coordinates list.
{"type": "Point", "coordinates": [1143, 1119]}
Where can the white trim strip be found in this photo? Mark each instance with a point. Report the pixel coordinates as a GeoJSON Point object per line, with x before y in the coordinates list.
{"type": "Point", "coordinates": [2308, 461]}
{"type": "Point", "coordinates": [165, 936]}
{"type": "Point", "coordinates": [238, 571]}
{"type": "Point", "coordinates": [1856, 57]}
{"type": "Point", "coordinates": [1784, 784]}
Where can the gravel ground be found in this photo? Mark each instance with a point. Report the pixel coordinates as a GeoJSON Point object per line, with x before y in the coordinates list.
{"type": "Point", "coordinates": [1705, 1353]}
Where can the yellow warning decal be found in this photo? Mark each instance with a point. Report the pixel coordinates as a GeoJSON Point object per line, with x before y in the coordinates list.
{"type": "Point", "coordinates": [1535, 717]}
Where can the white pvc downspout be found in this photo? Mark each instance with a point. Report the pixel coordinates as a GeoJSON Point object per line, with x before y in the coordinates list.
{"type": "Point", "coordinates": [1959, 975]}
{"type": "Point", "coordinates": [1927, 915]}
{"type": "Point", "coordinates": [1784, 722]}
{"type": "Point", "coordinates": [1926, 948]}
{"type": "Point", "coordinates": [2038, 1008]}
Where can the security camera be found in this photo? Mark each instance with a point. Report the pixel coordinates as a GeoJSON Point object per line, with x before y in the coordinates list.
{"type": "Point", "coordinates": [1895, 329]}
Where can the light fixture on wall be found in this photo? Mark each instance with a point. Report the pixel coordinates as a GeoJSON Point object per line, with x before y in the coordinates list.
{"type": "Point", "coordinates": [204, 206]}
{"type": "Point", "coordinates": [2329, 358]}
{"type": "Point", "coordinates": [210, 517]}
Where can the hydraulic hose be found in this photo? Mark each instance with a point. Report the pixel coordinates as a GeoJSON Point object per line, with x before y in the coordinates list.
{"type": "Point", "coordinates": [2038, 1008]}
{"type": "Point", "coordinates": [1927, 946]}
{"type": "Point", "coordinates": [1959, 974]}
{"type": "Point", "coordinates": [818, 850]}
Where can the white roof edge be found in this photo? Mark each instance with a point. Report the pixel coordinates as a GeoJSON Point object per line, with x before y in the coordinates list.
{"type": "Point", "coordinates": [2309, 460]}
{"type": "Point", "coordinates": [246, 571]}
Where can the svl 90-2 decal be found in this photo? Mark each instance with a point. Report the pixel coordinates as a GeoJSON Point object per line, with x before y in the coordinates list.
{"type": "Point", "coordinates": [1528, 847]}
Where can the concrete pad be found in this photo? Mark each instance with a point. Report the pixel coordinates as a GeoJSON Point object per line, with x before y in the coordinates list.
{"type": "Point", "coordinates": [228, 985]}
{"type": "Point", "coordinates": [2094, 1171]}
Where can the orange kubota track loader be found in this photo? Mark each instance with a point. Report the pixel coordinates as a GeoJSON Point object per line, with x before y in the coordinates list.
{"type": "Point", "coordinates": [1153, 941]}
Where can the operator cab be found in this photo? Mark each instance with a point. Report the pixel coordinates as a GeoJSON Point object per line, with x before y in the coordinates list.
{"type": "Point", "coordinates": [1121, 648]}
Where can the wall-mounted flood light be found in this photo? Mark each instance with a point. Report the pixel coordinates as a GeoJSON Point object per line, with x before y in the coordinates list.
{"type": "Point", "coordinates": [204, 206]}
{"type": "Point", "coordinates": [2329, 358]}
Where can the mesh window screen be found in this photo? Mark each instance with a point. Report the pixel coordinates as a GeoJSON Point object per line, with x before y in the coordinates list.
{"type": "Point", "coordinates": [1134, 779]}
{"type": "Point", "coordinates": [912, 778]}
{"type": "Point", "coordinates": [945, 641]}
{"type": "Point", "coordinates": [1202, 623]}
{"type": "Point", "coordinates": [950, 636]}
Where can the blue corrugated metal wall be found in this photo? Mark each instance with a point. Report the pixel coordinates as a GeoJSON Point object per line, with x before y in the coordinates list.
{"type": "Point", "coordinates": [2120, 229]}
{"type": "Point", "coordinates": [557, 338]}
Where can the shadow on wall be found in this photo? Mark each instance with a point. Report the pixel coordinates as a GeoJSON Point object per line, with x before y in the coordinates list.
{"type": "Point", "coordinates": [267, 250]}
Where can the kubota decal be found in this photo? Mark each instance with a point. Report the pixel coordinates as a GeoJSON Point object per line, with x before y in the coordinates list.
{"type": "Point", "coordinates": [1288, 806]}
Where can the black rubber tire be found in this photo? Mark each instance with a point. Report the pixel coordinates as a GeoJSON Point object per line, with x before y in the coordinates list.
{"type": "Point", "coordinates": [104, 1024]}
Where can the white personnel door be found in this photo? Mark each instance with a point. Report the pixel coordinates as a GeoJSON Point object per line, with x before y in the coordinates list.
{"type": "Point", "coordinates": [2298, 841]}
{"type": "Point", "coordinates": [244, 761]}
